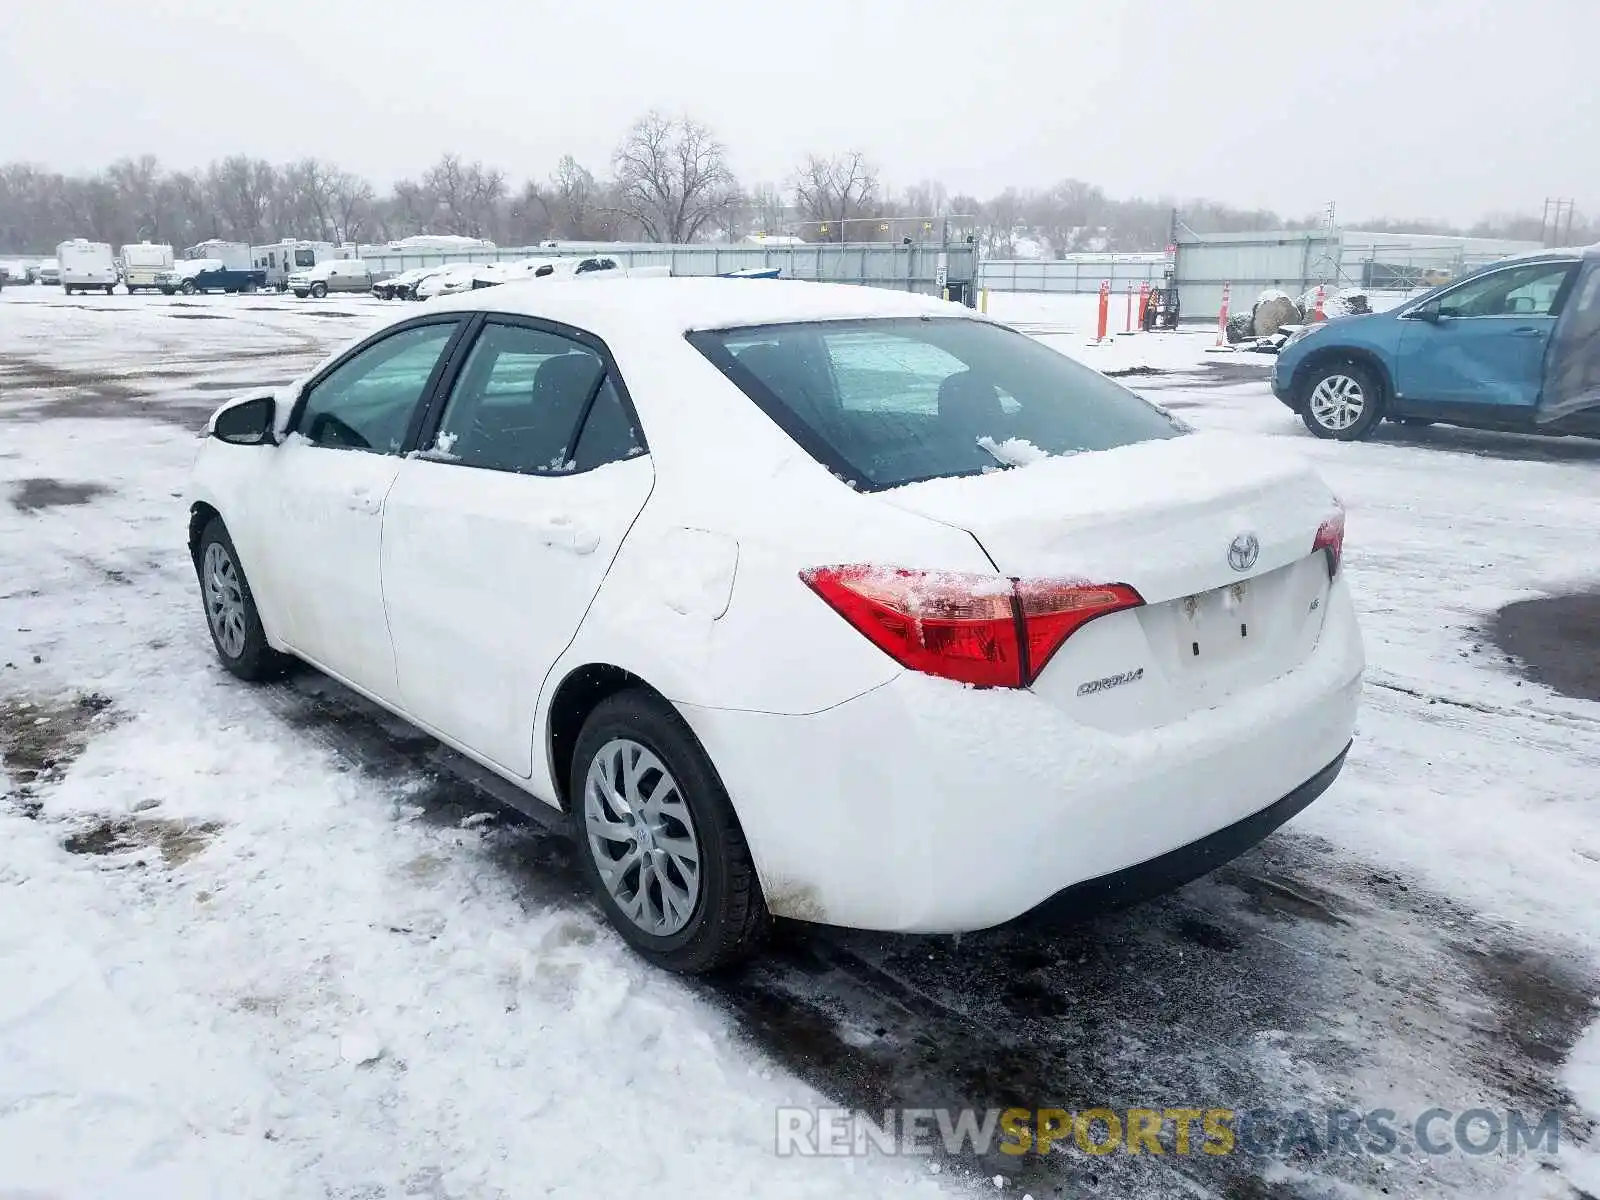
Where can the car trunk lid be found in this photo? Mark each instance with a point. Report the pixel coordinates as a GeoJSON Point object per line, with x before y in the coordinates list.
{"type": "Point", "coordinates": [1216, 533]}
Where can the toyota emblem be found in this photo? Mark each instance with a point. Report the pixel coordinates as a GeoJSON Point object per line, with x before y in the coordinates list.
{"type": "Point", "coordinates": [1242, 552]}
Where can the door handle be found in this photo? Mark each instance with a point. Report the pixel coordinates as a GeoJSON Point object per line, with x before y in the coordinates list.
{"type": "Point", "coordinates": [1527, 331]}
{"type": "Point", "coordinates": [563, 534]}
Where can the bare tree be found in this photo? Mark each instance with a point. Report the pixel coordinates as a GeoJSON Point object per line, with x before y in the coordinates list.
{"type": "Point", "coordinates": [243, 188]}
{"type": "Point", "coordinates": [672, 177]}
{"type": "Point", "coordinates": [466, 196]}
{"type": "Point", "coordinates": [351, 199]}
{"type": "Point", "coordinates": [768, 209]}
{"type": "Point", "coordinates": [834, 192]}
{"type": "Point", "coordinates": [528, 219]}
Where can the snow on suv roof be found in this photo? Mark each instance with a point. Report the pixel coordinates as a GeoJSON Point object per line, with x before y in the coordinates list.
{"type": "Point", "coordinates": [604, 305]}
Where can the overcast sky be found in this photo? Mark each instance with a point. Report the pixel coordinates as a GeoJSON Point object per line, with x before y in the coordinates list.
{"type": "Point", "coordinates": [1448, 108]}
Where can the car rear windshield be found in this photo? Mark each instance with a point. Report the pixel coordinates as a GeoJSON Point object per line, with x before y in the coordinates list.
{"type": "Point", "coordinates": [891, 401]}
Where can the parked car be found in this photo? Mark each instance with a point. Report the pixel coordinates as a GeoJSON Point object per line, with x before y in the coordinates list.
{"type": "Point", "coordinates": [520, 270]}
{"type": "Point", "coordinates": [191, 275]}
{"type": "Point", "coordinates": [1480, 351]}
{"type": "Point", "coordinates": [402, 286]}
{"type": "Point", "coordinates": [334, 275]}
{"type": "Point", "coordinates": [448, 280]}
{"type": "Point", "coordinates": [805, 600]}
{"type": "Point", "coordinates": [48, 272]}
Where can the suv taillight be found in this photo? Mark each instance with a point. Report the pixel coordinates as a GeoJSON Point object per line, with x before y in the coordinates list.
{"type": "Point", "coordinates": [985, 630]}
{"type": "Point", "coordinates": [1330, 540]}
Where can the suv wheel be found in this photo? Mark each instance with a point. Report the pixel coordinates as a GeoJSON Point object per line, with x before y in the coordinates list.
{"type": "Point", "coordinates": [319, 290]}
{"type": "Point", "coordinates": [1342, 401]}
{"type": "Point", "coordinates": [658, 839]}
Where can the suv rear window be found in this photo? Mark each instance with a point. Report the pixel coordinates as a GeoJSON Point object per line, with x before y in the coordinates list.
{"type": "Point", "coordinates": [892, 401]}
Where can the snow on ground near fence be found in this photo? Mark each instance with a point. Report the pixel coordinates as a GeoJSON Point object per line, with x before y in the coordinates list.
{"type": "Point", "coordinates": [289, 978]}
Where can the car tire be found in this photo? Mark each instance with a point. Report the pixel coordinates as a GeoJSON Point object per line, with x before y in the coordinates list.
{"type": "Point", "coordinates": [188, 288]}
{"type": "Point", "coordinates": [318, 290]}
{"type": "Point", "coordinates": [634, 735]}
{"type": "Point", "coordinates": [230, 609]}
{"type": "Point", "coordinates": [111, 291]}
{"type": "Point", "coordinates": [1341, 400]}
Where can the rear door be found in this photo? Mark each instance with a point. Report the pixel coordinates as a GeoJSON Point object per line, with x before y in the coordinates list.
{"type": "Point", "coordinates": [1486, 346]}
{"type": "Point", "coordinates": [324, 492]}
{"type": "Point", "coordinates": [497, 535]}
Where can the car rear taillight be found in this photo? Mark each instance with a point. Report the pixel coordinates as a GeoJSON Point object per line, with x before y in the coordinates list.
{"type": "Point", "coordinates": [1330, 540]}
{"type": "Point", "coordinates": [984, 630]}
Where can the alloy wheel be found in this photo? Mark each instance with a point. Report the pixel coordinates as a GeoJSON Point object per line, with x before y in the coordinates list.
{"type": "Point", "coordinates": [1337, 402]}
{"type": "Point", "coordinates": [224, 599]}
{"type": "Point", "coordinates": [642, 838]}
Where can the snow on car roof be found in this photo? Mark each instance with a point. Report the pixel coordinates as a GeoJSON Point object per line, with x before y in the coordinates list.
{"type": "Point", "coordinates": [606, 306]}
{"type": "Point", "coordinates": [1552, 253]}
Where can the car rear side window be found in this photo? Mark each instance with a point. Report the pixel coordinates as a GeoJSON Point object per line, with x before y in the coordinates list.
{"type": "Point", "coordinates": [894, 401]}
{"type": "Point", "coordinates": [517, 404]}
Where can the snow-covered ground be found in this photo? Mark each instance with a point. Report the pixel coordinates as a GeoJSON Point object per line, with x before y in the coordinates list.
{"type": "Point", "coordinates": [253, 942]}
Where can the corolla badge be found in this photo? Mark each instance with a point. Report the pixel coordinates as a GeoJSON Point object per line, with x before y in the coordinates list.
{"type": "Point", "coordinates": [1242, 552]}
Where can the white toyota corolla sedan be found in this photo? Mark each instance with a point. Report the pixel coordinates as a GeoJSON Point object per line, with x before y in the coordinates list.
{"type": "Point", "coordinates": [794, 599]}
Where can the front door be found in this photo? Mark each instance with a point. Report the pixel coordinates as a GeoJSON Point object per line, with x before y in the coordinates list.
{"type": "Point", "coordinates": [1482, 343]}
{"type": "Point", "coordinates": [497, 535]}
{"type": "Point", "coordinates": [324, 500]}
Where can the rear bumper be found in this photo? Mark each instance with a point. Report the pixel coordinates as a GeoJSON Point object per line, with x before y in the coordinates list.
{"type": "Point", "coordinates": [1166, 872]}
{"type": "Point", "coordinates": [924, 806]}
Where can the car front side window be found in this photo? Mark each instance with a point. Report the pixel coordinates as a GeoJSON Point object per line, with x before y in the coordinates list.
{"type": "Point", "coordinates": [367, 401]}
{"type": "Point", "coordinates": [1533, 290]}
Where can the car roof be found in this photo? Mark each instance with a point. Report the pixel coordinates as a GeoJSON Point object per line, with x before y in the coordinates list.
{"type": "Point", "coordinates": [1553, 254]}
{"type": "Point", "coordinates": [606, 306]}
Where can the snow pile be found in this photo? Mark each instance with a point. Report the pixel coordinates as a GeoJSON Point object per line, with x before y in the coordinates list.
{"type": "Point", "coordinates": [1583, 1072]}
{"type": "Point", "coordinates": [1014, 452]}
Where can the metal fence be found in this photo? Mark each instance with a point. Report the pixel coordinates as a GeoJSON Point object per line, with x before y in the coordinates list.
{"type": "Point", "coordinates": [929, 268]}
{"type": "Point", "coordinates": [1074, 273]}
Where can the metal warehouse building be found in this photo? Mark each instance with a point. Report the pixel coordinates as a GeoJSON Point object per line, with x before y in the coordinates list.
{"type": "Point", "coordinates": [1294, 261]}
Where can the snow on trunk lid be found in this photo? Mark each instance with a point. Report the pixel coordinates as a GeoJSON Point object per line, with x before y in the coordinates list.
{"type": "Point", "coordinates": [1215, 532]}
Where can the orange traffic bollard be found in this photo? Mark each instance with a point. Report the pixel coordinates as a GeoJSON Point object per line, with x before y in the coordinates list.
{"type": "Point", "coordinates": [1105, 309]}
{"type": "Point", "coordinates": [1319, 314]}
{"type": "Point", "coordinates": [1222, 317]}
{"type": "Point", "coordinates": [1144, 302]}
{"type": "Point", "coordinates": [1129, 325]}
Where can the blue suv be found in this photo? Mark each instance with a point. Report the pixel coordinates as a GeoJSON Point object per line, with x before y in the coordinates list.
{"type": "Point", "coordinates": [1513, 346]}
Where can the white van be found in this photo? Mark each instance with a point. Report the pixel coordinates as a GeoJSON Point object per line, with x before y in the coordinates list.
{"type": "Point", "coordinates": [86, 266]}
{"type": "Point", "coordinates": [335, 275]}
{"type": "Point", "coordinates": [142, 263]}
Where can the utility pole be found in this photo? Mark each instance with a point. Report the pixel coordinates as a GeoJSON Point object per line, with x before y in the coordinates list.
{"type": "Point", "coordinates": [1551, 231]}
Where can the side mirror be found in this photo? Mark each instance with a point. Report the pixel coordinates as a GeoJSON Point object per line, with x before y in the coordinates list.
{"type": "Point", "coordinates": [248, 422]}
{"type": "Point", "coordinates": [1428, 312]}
